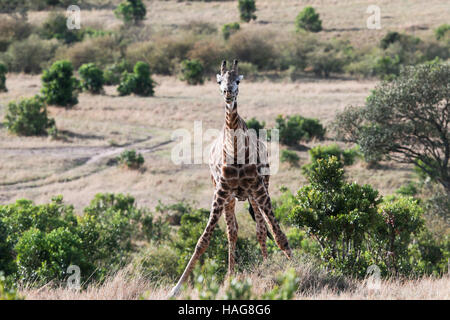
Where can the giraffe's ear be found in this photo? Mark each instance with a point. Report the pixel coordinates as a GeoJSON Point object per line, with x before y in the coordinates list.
{"type": "Point", "coordinates": [219, 78]}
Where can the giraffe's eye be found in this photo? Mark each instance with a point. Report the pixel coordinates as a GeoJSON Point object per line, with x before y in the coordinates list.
{"type": "Point", "coordinates": [219, 82]}
{"type": "Point", "coordinates": [237, 81]}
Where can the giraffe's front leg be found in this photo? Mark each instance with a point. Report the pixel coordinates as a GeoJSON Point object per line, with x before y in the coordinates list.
{"type": "Point", "coordinates": [203, 242]}
{"type": "Point", "coordinates": [262, 199]}
{"type": "Point", "coordinates": [232, 233]}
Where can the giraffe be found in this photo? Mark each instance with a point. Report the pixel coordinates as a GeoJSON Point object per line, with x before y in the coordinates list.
{"type": "Point", "coordinates": [239, 170]}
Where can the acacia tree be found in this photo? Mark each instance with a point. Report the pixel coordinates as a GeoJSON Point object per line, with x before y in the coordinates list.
{"type": "Point", "coordinates": [406, 120]}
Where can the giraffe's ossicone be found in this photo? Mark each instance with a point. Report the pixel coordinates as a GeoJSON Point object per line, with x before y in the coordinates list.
{"type": "Point", "coordinates": [240, 170]}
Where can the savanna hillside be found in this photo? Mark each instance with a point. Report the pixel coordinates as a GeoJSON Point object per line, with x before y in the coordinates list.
{"type": "Point", "coordinates": [106, 134]}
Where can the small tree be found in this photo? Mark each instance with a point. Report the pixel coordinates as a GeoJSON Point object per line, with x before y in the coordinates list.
{"type": "Point", "coordinates": [139, 82]}
{"type": "Point", "coordinates": [131, 159]}
{"type": "Point", "coordinates": [405, 120]}
{"type": "Point", "coordinates": [230, 28]}
{"type": "Point", "coordinates": [131, 11]}
{"type": "Point", "coordinates": [247, 9]}
{"type": "Point", "coordinates": [290, 157]}
{"type": "Point", "coordinates": [442, 31]}
{"type": "Point", "coordinates": [28, 117]}
{"type": "Point", "coordinates": [59, 87]}
{"type": "Point", "coordinates": [295, 128]}
{"type": "Point", "coordinates": [192, 71]}
{"type": "Point", "coordinates": [91, 78]}
{"type": "Point", "coordinates": [3, 71]}
{"type": "Point", "coordinates": [308, 20]}
{"type": "Point", "coordinates": [55, 26]}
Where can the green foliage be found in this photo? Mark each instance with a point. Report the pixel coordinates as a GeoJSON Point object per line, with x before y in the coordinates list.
{"type": "Point", "coordinates": [131, 11]}
{"type": "Point", "coordinates": [229, 28]}
{"type": "Point", "coordinates": [28, 117]}
{"type": "Point", "coordinates": [295, 128]}
{"type": "Point", "coordinates": [283, 205]}
{"type": "Point", "coordinates": [247, 10]}
{"type": "Point", "coordinates": [442, 31]}
{"type": "Point", "coordinates": [253, 123]}
{"type": "Point", "coordinates": [308, 20]}
{"type": "Point", "coordinates": [29, 55]}
{"type": "Point", "coordinates": [337, 214]}
{"type": "Point", "coordinates": [59, 86]}
{"type": "Point", "coordinates": [113, 72]}
{"type": "Point", "coordinates": [91, 78]}
{"type": "Point", "coordinates": [131, 159]}
{"type": "Point", "coordinates": [3, 71]}
{"type": "Point", "coordinates": [139, 82]}
{"type": "Point", "coordinates": [192, 71]}
{"type": "Point", "coordinates": [286, 287]}
{"type": "Point", "coordinates": [55, 26]}
{"type": "Point", "coordinates": [390, 38]}
{"type": "Point", "coordinates": [290, 157]}
{"type": "Point", "coordinates": [347, 157]}
{"type": "Point", "coordinates": [409, 189]}
{"type": "Point", "coordinates": [405, 120]}
{"type": "Point", "coordinates": [7, 293]}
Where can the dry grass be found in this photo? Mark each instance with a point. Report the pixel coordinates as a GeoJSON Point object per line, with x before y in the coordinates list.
{"type": "Point", "coordinates": [313, 285]}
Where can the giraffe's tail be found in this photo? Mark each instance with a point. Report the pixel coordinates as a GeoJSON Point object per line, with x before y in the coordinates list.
{"type": "Point", "coordinates": [252, 213]}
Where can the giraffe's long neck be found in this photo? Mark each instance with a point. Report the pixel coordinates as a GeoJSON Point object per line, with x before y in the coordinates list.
{"type": "Point", "coordinates": [234, 135]}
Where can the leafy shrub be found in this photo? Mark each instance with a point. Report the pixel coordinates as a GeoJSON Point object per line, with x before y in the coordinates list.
{"type": "Point", "coordinates": [248, 69]}
{"type": "Point", "coordinates": [253, 47]}
{"type": "Point", "coordinates": [192, 72]}
{"type": "Point", "coordinates": [347, 157]}
{"type": "Point", "coordinates": [55, 26]}
{"type": "Point", "coordinates": [328, 57]}
{"type": "Point", "coordinates": [295, 128]}
{"type": "Point", "coordinates": [131, 11]}
{"type": "Point", "coordinates": [338, 214]}
{"type": "Point", "coordinates": [3, 71]}
{"type": "Point", "coordinates": [229, 28]}
{"type": "Point", "coordinates": [409, 189]}
{"type": "Point", "coordinates": [290, 157]}
{"type": "Point", "coordinates": [46, 256]}
{"type": "Point", "coordinates": [389, 38]}
{"type": "Point", "coordinates": [283, 205]}
{"type": "Point", "coordinates": [30, 55]}
{"type": "Point", "coordinates": [91, 78]}
{"type": "Point", "coordinates": [7, 293]}
{"type": "Point", "coordinates": [131, 159]}
{"type": "Point", "coordinates": [59, 86]}
{"type": "Point", "coordinates": [442, 31]}
{"type": "Point", "coordinates": [308, 20]}
{"type": "Point", "coordinates": [209, 53]}
{"type": "Point", "coordinates": [139, 82]}
{"type": "Point", "coordinates": [102, 50]}
{"type": "Point", "coordinates": [113, 72]}
{"type": "Point", "coordinates": [247, 10]}
{"type": "Point", "coordinates": [12, 30]}
{"type": "Point", "coordinates": [28, 117]}
{"type": "Point", "coordinates": [157, 263]}
{"type": "Point", "coordinates": [387, 67]}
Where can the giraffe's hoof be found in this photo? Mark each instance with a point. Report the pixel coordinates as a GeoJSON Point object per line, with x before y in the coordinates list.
{"type": "Point", "coordinates": [173, 293]}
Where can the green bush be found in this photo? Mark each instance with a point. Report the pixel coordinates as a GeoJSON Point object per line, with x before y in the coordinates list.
{"type": "Point", "coordinates": [91, 78]}
{"type": "Point", "coordinates": [3, 71]}
{"type": "Point", "coordinates": [253, 123]}
{"type": "Point", "coordinates": [346, 157]}
{"type": "Point", "coordinates": [113, 72]}
{"type": "Point", "coordinates": [30, 55]}
{"type": "Point", "coordinates": [131, 11]}
{"type": "Point", "coordinates": [229, 28]}
{"type": "Point", "coordinates": [247, 10]}
{"type": "Point", "coordinates": [283, 205]}
{"type": "Point", "coordinates": [290, 157]}
{"type": "Point", "coordinates": [192, 72]}
{"type": "Point", "coordinates": [338, 214]}
{"type": "Point", "coordinates": [55, 26]}
{"type": "Point", "coordinates": [131, 159]}
{"type": "Point", "coordinates": [139, 82]}
{"type": "Point", "coordinates": [292, 129]}
{"type": "Point", "coordinates": [308, 20]}
{"type": "Point", "coordinates": [442, 31]}
{"type": "Point", "coordinates": [328, 57]}
{"type": "Point", "coordinates": [28, 117]}
{"type": "Point", "coordinates": [7, 293]}
{"type": "Point", "coordinates": [59, 86]}
{"type": "Point", "coordinates": [42, 257]}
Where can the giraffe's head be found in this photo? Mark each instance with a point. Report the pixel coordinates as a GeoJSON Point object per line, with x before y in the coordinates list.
{"type": "Point", "coordinates": [228, 81]}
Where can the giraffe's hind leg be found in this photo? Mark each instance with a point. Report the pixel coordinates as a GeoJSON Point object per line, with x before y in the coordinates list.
{"type": "Point", "coordinates": [232, 233]}
{"type": "Point", "coordinates": [262, 199]}
{"type": "Point", "coordinates": [261, 230]}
